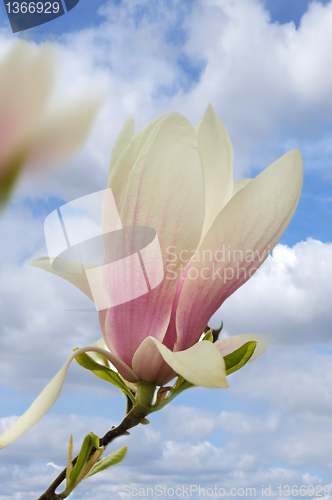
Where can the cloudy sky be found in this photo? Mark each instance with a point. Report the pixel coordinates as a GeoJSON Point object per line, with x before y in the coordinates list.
{"type": "Point", "coordinates": [265, 66]}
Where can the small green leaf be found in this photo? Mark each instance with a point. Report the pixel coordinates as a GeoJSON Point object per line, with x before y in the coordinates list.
{"type": "Point", "coordinates": [70, 457]}
{"type": "Point", "coordinates": [103, 372]}
{"type": "Point", "coordinates": [81, 460]}
{"type": "Point", "coordinates": [113, 459]}
{"type": "Point", "coordinates": [235, 360]}
{"type": "Point", "coordinates": [90, 464]}
{"type": "Point", "coordinates": [95, 440]}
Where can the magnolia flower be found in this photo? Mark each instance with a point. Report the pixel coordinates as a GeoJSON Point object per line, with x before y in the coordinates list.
{"type": "Point", "coordinates": [32, 132]}
{"type": "Point", "coordinates": [178, 180]}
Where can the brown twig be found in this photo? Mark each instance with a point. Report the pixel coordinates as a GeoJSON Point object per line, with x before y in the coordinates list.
{"type": "Point", "coordinates": [133, 418]}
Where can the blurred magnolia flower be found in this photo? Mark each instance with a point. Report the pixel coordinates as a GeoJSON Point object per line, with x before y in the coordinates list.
{"type": "Point", "coordinates": [179, 181]}
{"type": "Point", "coordinates": [32, 132]}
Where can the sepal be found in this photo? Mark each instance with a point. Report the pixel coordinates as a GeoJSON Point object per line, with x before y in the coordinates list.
{"type": "Point", "coordinates": [237, 359]}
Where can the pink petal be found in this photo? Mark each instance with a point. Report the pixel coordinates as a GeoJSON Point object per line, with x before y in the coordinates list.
{"type": "Point", "coordinates": [216, 152]}
{"type": "Point", "coordinates": [150, 364]}
{"type": "Point", "coordinates": [250, 224]}
{"type": "Point", "coordinates": [165, 192]}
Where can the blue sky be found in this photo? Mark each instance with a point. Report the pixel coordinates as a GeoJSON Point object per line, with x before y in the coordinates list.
{"type": "Point", "coordinates": [265, 67]}
{"type": "Point", "coordinates": [284, 11]}
{"type": "Point", "coordinates": [86, 14]}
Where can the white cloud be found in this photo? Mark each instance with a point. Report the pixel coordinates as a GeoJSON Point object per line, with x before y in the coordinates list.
{"type": "Point", "coordinates": [154, 458]}
{"type": "Point", "coordinates": [293, 288]}
{"type": "Point", "coordinates": [189, 423]}
{"type": "Point", "coordinates": [244, 424]}
{"type": "Point", "coordinates": [291, 379]}
{"type": "Point", "coordinates": [39, 328]}
{"type": "Point", "coordinates": [271, 85]}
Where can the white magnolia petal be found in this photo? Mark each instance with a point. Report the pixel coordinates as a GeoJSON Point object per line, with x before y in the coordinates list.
{"type": "Point", "coordinates": [251, 224]}
{"type": "Point", "coordinates": [201, 364]}
{"type": "Point", "coordinates": [231, 344]}
{"type": "Point", "coordinates": [78, 279]}
{"type": "Point", "coordinates": [119, 174]}
{"type": "Point", "coordinates": [62, 133]}
{"type": "Point", "coordinates": [126, 134]}
{"type": "Point", "coordinates": [22, 105]}
{"type": "Point", "coordinates": [216, 151]}
{"type": "Point", "coordinates": [240, 184]}
{"type": "Point", "coordinates": [38, 408]}
{"type": "Point", "coordinates": [36, 67]}
{"type": "Point", "coordinates": [49, 395]}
